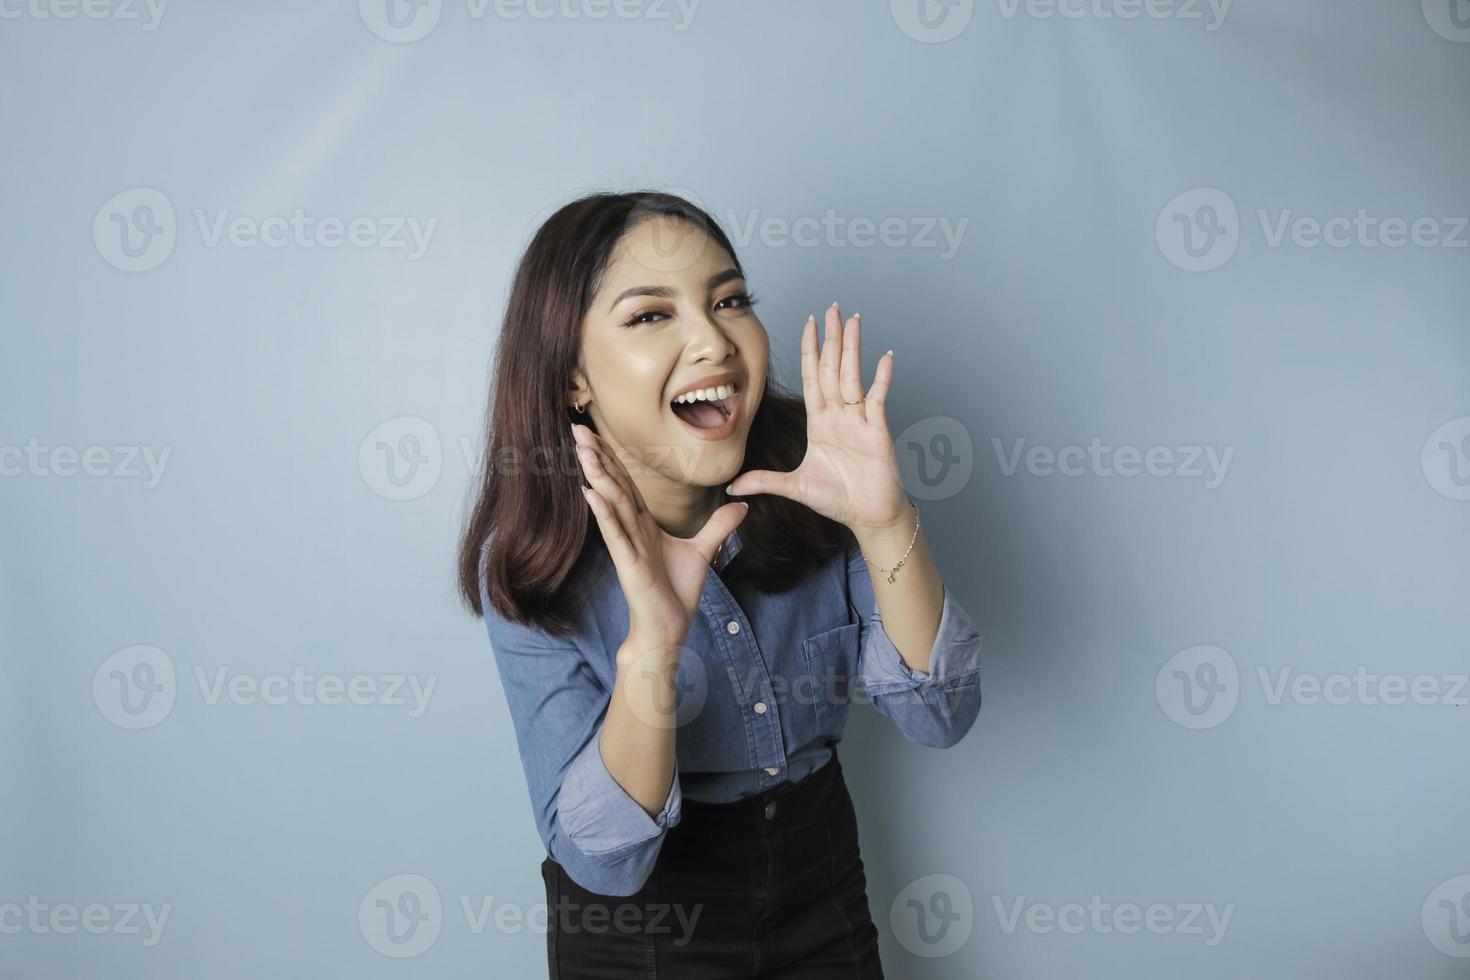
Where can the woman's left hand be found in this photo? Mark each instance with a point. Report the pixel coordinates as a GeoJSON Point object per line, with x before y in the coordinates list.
{"type": "Point", "coordinates": [849, 473]}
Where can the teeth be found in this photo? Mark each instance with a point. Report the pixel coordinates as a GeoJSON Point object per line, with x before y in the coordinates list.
{"type": "Point", "coordinates": [705, 394]}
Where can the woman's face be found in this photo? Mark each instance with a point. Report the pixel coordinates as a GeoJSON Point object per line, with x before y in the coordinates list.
{"type": "Point", "coordinates": [672, 316]}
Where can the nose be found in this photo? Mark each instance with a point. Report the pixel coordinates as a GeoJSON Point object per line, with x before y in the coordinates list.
{"type": "Point", "coordinates": [707, 340]}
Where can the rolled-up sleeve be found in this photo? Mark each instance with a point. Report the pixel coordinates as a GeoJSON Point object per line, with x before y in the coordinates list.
{"type": "Point", "coordinates": [936, 707]}
{"type": "Point", "coordinates": [589, 824]}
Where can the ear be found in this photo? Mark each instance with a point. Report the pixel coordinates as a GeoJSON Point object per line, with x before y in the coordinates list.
{"type": "Point", "coordinates": [578, 393]}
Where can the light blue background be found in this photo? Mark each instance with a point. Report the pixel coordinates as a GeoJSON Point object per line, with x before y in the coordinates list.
{"type": "Point", "coordinates": [272, 542]}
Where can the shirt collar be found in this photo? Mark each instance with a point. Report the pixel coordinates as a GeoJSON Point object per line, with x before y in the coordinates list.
{"type": "Point", "coordinates": [732, 548]}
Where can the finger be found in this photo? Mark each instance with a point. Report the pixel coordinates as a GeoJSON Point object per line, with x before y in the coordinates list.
{"type": "Point", "coordinates": [609, 489]}
{"type": "Point", "coordinates": [764, 481]}
{"type": "Point", "coordinates": [613, 463]}
{"type": "Point", "coordinates": [850, 374]}
{"type": "Point", "coordinates": [831, 352]}
{"type": "Point", "coordinates": [613, 534]}
{"type": "Point", "coordinates": [878, 394]}
{"type": "Point", "coordinates": [811, 387]}
{"type": "Point", "coordinates": [718, 528]}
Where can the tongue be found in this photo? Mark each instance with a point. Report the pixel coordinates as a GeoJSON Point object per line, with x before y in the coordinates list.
{"type": "Point", "coordinates": [701, 415]}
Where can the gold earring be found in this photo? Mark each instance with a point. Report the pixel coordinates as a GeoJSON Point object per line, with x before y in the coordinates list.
{"type": "Point", "coordinates": [581, 408]}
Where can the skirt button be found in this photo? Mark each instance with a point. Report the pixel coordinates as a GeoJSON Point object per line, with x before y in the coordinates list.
{"type": "Point", "coordinates": [771, 810]}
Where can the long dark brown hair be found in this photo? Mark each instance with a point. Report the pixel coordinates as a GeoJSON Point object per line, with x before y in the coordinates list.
{"type": "Point", "coordinates": [529, 508]}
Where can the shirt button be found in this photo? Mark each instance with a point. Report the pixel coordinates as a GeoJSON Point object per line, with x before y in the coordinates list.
{"type": "Point", "coordinates": [760, 707]}
{"type": "Point", "coordinates": [772, 770]}
{"type": "Point", "coordinates": [771, 810]}
{"type": "Point", "coordinates": [732, 627]}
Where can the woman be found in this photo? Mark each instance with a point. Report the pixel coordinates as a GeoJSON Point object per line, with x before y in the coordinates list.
{"type": "Point", "coordinates": [679, 688]}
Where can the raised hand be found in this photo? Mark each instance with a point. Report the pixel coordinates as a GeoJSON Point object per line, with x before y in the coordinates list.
{"type": "Point", "coordinates": [662, 575]}
{"type": "Point", "coordinates": [849, 473]}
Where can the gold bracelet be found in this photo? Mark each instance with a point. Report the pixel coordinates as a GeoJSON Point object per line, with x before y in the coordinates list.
{"type": "Point", "coordinates": [894, 570]}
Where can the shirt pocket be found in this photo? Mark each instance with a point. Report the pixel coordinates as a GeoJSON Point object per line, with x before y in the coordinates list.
{"type": "Point", "coordinates": [830, 666]}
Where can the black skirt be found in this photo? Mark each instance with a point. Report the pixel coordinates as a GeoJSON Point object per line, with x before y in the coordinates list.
{"type": "Point", "coordinates": [768, 886]}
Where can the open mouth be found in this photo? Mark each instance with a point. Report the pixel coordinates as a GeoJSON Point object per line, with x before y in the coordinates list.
{"type": "Point", "coordinates": [710, 413]}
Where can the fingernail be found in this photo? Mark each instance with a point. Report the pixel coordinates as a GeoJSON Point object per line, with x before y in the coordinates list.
{"type": "Point", "coordinates": [834, 302]}
{"type": "Point", "coordinates": [889, 354]}
{"type": "Point", "coordinates": [857, 316]}
{"type": "Point", "coordinates": [744, 504]}
{"type": "Point", "coordinates": [728, 490]}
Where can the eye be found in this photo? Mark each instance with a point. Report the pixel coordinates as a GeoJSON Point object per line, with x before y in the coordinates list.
{"type": "Point", "coordinates": [741, 300]}
{"type": "Point", "coordinates": [639, 319]}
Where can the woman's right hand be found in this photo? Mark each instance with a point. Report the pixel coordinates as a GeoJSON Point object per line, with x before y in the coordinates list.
{"type": "Point", "coordinates": [662, 575]}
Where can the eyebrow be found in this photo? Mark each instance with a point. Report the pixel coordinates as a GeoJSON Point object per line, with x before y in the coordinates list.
{"type": "Point", "coordinates": [715, 282]}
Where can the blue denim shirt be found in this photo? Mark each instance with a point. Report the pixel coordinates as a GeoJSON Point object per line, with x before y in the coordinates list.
{"type": "Point", "coordinates": [764, 684]}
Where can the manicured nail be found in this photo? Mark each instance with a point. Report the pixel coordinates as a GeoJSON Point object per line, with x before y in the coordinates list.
{"type": "Point", "coordinates": [888, 354]}
{"type": "Point", "coordinates": [744, 504]}
{"type": "Point", "coordinates": [728, 490]}
{"type": "Point", "coordinates": [834, 302]}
